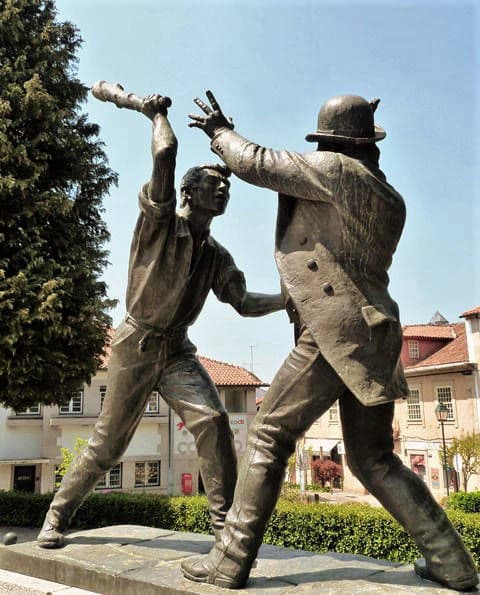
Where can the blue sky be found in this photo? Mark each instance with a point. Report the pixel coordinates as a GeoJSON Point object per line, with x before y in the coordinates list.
{"type": "Point", "coordinates": [271, 65]}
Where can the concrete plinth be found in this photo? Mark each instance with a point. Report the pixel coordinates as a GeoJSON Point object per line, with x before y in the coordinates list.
{"type": "Point", "coordinates": [134, 560]}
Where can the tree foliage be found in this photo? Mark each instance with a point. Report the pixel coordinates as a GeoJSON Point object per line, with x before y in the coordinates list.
{"type": "Point", "coordinates": [326, 470]}
{"type": "Point", "coordinates": [467, 447]}
{"type": "Point", "coordinates": [53, 176]}
{"type": "Point", "coordinates": [68, 456]}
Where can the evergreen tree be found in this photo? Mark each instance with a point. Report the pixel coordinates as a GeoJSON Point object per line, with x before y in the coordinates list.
{"type": "Point", "coordinates": [53, 175]}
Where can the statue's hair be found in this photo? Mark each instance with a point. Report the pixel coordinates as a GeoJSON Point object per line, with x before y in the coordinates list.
{"type": "Point", "coordinates": [193, 174]}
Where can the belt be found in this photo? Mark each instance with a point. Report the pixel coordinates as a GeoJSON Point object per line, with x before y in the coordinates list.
{"type": "Point", "coordinates": [153, 332]}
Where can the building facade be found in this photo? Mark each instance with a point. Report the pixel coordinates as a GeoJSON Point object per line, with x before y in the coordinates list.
{"type": "Point", "coordinates": [441, 362]}
{"type": "Point", "coordinates": [161, 457]}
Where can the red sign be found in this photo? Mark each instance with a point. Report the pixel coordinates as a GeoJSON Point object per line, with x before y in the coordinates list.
{"type": "Point", "coordinates": [187, 483]}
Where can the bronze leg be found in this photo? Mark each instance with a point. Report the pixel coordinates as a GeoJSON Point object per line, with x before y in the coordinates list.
{"type": "Point", "coordinates": [190, 392]}
{"type": "Point", "coordinates": [303, 389]}
{"type": "Point", "coordinates": [367, 432]}
{"type": "Point", "coordinates": [131, 378]}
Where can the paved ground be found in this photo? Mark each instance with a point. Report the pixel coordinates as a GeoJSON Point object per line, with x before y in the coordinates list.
{"type": "Point", "coordinates": [341, 497]}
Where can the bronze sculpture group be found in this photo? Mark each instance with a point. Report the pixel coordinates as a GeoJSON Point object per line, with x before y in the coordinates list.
{"type": "Point", "coordinates": [338, 225]}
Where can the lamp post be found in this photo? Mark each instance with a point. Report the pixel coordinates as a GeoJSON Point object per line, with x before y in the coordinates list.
{"type": "Point", "coordinates": [441, 412]}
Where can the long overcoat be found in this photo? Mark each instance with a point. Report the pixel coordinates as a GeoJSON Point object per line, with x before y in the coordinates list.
{"type": "Point", "coordinates": [338, 226]}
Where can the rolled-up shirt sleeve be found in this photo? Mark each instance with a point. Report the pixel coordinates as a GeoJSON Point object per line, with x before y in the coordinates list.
{"type": "Point", "coordinates": [302, 175]}
{"type": "Point", "coordinates": [229, 282]}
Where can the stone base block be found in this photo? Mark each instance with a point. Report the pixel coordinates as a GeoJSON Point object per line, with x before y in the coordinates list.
{"type": "Point", "coordinates": [134, 560]}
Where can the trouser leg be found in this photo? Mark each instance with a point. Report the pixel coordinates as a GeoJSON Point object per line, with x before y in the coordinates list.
{"type": "Point", "coordinates": [131, 378]}
{"type": "Point", "coordinates": [368, 437]}
{"type": "Point", "coordinates": [190, 392]}
{"type": "Point", "coordinates": [303, 389]}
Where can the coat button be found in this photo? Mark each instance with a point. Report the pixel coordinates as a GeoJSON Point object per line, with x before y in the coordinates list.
{"type": "Point", "coordinates": [312, 264]}
{"type": "Point", "coordinates": [303, 241]}
{"type": "Point", "coordinates": [327, 288]}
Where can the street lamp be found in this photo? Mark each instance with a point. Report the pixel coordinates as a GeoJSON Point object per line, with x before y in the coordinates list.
{"type": "Point", "coordinates": [441, 411]}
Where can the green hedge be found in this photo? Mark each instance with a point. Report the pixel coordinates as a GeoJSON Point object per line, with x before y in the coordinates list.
{"type": "Point", "coordinates": [464, 501]}
{"type": "Point", "coordinates": [347, 528]}
{"type": "Point", "coordinates": [356, 529]}
{"type": "Point", "coordinates": [20, 509]}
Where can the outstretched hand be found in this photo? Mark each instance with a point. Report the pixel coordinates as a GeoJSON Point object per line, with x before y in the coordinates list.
{"type": "Point", "coordinates": [214, 118]}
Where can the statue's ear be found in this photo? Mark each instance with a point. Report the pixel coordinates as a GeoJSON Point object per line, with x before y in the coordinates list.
{"type": "Point", "coordinates": [374, 103]}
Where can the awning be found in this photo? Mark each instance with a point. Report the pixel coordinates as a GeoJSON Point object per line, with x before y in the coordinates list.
{"type": "Point", "coordinates": [23, 461]}
{"type": "Point", "coordinates": [321, 444]}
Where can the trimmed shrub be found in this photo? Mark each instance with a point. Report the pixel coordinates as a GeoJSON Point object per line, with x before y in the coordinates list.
{"type": "Point", "coordinates": [464, 501]}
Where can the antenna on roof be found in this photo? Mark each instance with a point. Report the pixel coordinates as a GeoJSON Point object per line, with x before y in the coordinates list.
{"type": "Point", "coordinates": [437, 318]}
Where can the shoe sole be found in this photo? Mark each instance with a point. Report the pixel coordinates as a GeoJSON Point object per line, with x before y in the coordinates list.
{"type": "Point", "coordinates": [50, 545]}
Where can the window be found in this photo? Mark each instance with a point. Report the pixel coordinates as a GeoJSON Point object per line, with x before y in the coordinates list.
{"type": "Point", "coordinates": [103, 392]}
{"type": "Point", "coordinates": [152, 403]}
{"type": "Point", "coordinates": [75, 405]}
{"type": "Point", "coordinates": [112, 479]}
{"type": "Point", "coordinates": [444, 397]}
{"type": "Point", "coordinates": [414, 405]}
{"type": "Point", "coordinates": [413, 349]}
{"type": "Point", "coordinates": [333, 413]}
{"type": "Point", "coordinates": [147, 474]}
{"type": "Point", "coordinates": [33, 410]}
{"type": "Point", "coordinates": [236, 401]}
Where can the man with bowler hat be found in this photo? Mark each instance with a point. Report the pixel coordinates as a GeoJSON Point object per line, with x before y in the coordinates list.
{"type": "Point", "coordinates": [338, 225]}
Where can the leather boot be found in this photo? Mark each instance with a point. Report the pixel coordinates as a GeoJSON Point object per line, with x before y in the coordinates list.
{"type": "Point", "coordinates": [216, 569]}
{"type": "Point", "coordinates": [51, 534]}
{"type": "Point", "coordinates": [448, 576]}
{"type": "Point", "coordinates": [217, 461]}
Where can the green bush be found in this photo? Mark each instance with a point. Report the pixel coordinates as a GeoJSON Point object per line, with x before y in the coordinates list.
{"type": "Point", "coordinates": [355, 529]}
{"type": "Point", "coordinates": [346, 528]}
{"type": "Point", "coordinates": [182, 513]}
{"type": "Point", "coordinates": [464, 501]}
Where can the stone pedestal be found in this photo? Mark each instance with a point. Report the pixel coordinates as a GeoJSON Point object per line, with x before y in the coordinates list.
{"type": "Point", "coordinates": [129, 559]}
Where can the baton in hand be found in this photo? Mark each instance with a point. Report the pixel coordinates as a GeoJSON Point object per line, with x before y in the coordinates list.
{"type": "Point", "coordinates": [115, 93]}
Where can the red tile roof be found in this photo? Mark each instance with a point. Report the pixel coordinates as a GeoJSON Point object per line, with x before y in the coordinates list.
{"type": "Point", "coordinates": [455, 351]}
{"type": "Point", "coordinates": [429, 331]}
{"type": "Point", "coordinates": [471, 312]}
{"type": "Point", "coordinates": [224, 374]}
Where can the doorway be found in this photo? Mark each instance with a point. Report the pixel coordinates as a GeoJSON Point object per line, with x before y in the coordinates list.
{"type": "Point", "coordinates": [201, 489]}
{"type": "Point", "coordinates": [24, 478]}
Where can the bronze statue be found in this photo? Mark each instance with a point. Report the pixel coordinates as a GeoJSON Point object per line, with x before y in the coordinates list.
{"type": "Point", "coordinates": [339, 222]}
{"type": "Point", "coordinates": [174, 262]}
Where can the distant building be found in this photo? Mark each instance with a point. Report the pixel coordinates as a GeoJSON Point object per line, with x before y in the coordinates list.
{"type": "Point", "coordinates": [161, 457]}
{"type": "Point", "coordinates": [441, 361]}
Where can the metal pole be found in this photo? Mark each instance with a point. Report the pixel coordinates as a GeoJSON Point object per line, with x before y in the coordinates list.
{"type": "Point", "coordinates": [445, 470]}
{"type": "Point", "coordinates": [170, 452]}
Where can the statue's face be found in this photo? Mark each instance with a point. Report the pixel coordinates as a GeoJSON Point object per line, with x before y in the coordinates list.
{"type": "Point", "coordinates": [211, 192]}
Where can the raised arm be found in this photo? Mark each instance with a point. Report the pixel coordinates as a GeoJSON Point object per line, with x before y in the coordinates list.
{"type": "Point", "coordinates": [287, 172]}
{"type": "Point", "coordinates": [164, 150]}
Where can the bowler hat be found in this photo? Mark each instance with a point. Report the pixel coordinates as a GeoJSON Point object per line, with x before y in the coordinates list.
{"type": "Point", "coordinates": [347, 119]}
